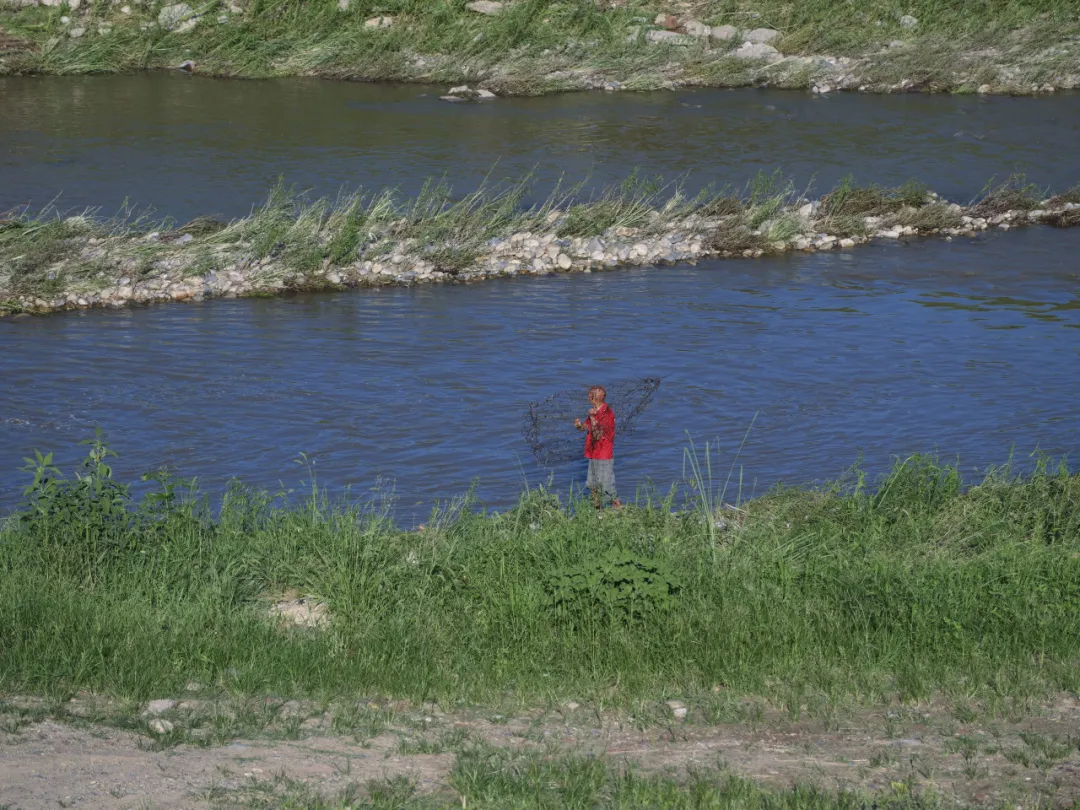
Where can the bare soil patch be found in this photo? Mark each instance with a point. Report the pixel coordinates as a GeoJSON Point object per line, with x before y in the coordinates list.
{"type": "Point", "coordinates": [92, 754]}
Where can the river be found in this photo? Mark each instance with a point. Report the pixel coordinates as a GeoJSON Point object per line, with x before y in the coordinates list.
{"type": "Point", "coordinates": [967, 348]}
{"type": "Point", "coordinates": [189, 145]}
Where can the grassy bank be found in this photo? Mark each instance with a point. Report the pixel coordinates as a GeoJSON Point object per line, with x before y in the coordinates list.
{"type": "Point", "coordinates": [52, 260]}
{"type": "Point", "coordinates": [537, 46]}
{"type": "Point", "coordinates": [812, 599]}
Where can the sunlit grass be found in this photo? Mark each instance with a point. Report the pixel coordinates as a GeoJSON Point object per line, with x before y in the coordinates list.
{"type": "Point", "coordinates": [907, 588]}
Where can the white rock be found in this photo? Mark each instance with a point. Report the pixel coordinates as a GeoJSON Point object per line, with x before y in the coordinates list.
{"type": "Point", "coordinates": [985, 88]}
{"type": "Point", "coordinates": [379, 22]}
{"type": "Point", "coordinates": [762, 35]}
{"type": "Point", "coordinates": [678, 709]}
{"type": "Point", "coordinates": [343, 5]}
{"type": "Point", "coordinates": [125, 9]}
{"type": "Point", "coordinates": [564, 261]}
{"type": "Point", "coordinates": [907, 21]}
{"type": "Point", "coordinates": [847, 242]}
{"type": "Point", "coordinates": [75, 33]}
{"type": "Point", "coordinates": [305, 612]}
{"type": "Point", "coordinates": [485, 7]}
{"type": "Point", "coordinates": [723, 32]}
{"type": "Point", "coordinates": [696, 29]}
{"type": "Point", "coordinates": [160, 726]}
{"type": "Point", "coordinates": [572, 705]}
{"type": "Point", "coordinates": [487, 94]}
{"type": "Point", "coordinates": [65, 20]}
{"type": "Point", "coordinates": [171, 16]}
{"type": "Point", "coordinates": [187, 25]}
{"type": "Point", "coordinates": [667, 38]}
{"type": "Point", "coordinates": [160, 706]}
{"type": "Point", "coordinates": [751, 50]}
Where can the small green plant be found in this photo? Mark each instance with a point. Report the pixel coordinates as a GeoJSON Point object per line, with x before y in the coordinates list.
{"type": "Point", "coordinates": [94, 503]}
{"type": "Point", "coordinates": [618, 584]}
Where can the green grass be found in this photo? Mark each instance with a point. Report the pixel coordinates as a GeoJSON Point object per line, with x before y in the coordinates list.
{"type": "Point", "coordinates": [813, 598]}
{"type": "Point", "coordinates": [530, 46]}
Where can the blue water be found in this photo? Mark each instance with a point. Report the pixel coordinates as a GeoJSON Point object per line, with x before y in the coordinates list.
{"type": "Point", "coordinates": [966, 348]}
{"type": "Point", "coordinates": [189, 145]}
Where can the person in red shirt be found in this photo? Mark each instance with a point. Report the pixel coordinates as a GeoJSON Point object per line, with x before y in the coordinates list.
{"type": "Point", "coordinates": [599, 427]}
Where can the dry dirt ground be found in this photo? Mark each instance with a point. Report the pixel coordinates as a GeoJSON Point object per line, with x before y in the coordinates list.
{"type": "Point", "coordinates": [215, 753]}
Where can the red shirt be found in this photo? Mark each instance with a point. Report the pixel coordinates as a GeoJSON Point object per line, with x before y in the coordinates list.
{"type": "Point", "coordinates": [604, 447]}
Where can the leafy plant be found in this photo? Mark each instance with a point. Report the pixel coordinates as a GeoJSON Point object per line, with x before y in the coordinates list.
{"type": "Point", "coordinates": [94, 504]}
{"type": "Point", "coordinates": [618, 585]}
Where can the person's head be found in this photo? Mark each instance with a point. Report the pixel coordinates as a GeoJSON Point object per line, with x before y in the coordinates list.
{"type": "Point", "coordinates": [597, 395]}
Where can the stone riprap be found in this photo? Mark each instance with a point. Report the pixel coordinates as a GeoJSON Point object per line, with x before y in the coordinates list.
{"type": "Point", "coordinates": [129, 269]}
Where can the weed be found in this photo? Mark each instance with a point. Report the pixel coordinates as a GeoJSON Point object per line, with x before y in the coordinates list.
{"type": "Point", "coordinates": [1015, 194]}
{"type": "Point", "coordinates": [617, 585]}
{"type": "Point", "coordinates": [849, 200]}
{"type": "Point", "coordinates": [935, 216]}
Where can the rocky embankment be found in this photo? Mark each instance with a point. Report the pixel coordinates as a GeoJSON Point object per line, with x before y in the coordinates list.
{"type": "Point", "coordinates": [85, 270]}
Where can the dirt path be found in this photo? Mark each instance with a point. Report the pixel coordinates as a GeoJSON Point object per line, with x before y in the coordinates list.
{"type": "Point", "coordinates": [74, 757]}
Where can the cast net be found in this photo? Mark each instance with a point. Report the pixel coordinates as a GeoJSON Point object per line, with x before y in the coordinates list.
{"type": "Point", "coordinates": [549, 424]}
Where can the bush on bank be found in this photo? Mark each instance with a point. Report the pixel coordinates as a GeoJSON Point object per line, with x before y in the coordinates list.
{"type": "Point", "coordinates": [808, 597]}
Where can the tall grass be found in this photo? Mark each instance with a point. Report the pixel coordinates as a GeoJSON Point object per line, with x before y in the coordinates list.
{"type": "Point", "coordinates": [814, 596]}
{"type": "Point", "coordinates": [521, 48]}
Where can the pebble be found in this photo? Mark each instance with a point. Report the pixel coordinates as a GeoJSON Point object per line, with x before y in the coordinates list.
{"type": "Point", "coordinates": [762, 36]}
{"type": "Point", "coordinates": [159, 726]}
{"type": "Point", "coordinates": [488, 7]}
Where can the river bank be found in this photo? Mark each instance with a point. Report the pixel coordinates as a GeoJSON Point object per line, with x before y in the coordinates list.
{"type": "Point", "coordinates": [309, 653]}
{"type": "Point", "coordinates": [531, 47]}
{"type": "Point", "coordinates": [55, 262]}
{"type": "Point", "coordinates": [825, 595]}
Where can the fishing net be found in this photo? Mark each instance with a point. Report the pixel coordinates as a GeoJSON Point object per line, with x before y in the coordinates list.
{"type": "Point", "coordinates": [549, 424]}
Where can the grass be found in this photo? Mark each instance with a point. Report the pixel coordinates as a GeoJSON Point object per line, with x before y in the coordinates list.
{"type": "Point", "coordinates": [1014, 194]}
{"type": "Point", "coordinates": [537, 46]}
{"type": "Point", "coordinates": [816, 597]}
{"type": "Point", "coordinates": [486, 777]}
{"type": "Point", "coordinates": [52, 251]}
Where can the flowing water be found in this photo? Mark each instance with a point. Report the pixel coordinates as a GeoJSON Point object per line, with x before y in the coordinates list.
{"type": "Point", "coordinates": [968, 348]}
{"type": "Point", "coordinates": [191, 146]}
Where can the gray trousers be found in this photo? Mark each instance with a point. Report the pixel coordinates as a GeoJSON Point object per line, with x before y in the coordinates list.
{"type": "Point", "coordinates": [601, 478]}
